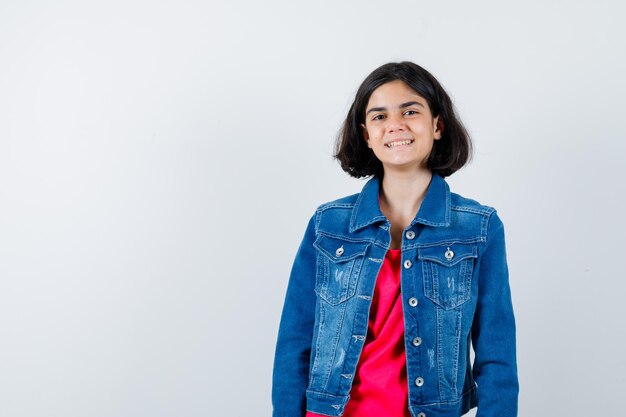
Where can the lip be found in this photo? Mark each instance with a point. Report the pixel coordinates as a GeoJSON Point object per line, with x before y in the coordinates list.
{"type": "Point", "coordinates": [394, 143]}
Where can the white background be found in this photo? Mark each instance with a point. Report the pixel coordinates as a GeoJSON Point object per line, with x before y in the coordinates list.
{"type": "Point", "coordinates": [159, 161]}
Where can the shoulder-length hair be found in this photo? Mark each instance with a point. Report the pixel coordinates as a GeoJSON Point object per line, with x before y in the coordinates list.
{"type": "Point", "coordinates": [449, 153]}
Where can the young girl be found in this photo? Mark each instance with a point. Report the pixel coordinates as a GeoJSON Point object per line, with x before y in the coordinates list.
{"type": "Point", "coordinates": [391, 286]}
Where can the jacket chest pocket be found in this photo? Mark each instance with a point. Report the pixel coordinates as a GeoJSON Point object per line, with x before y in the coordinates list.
{"type": "Point", "coordinates": [339, 264]}
{"type": "Point", "coordinates": [447, 271]}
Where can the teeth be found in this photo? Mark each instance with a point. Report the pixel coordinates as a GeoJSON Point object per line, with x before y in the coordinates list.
{"type": "Point", "coordinates": [398, 143]}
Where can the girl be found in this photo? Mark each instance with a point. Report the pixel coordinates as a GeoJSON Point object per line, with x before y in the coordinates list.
{"type": "Point", "coordinates": [391, 286]}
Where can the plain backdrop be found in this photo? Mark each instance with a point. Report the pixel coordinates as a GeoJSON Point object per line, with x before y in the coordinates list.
{"type": "Point", "coordinates": [159, 161]}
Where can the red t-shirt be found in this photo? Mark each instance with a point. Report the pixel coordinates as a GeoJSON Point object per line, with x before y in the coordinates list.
{"type": "Point", "coordinates": [380, 384]}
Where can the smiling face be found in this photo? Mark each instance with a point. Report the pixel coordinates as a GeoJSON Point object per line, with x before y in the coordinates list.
{"type": "Point", "coordinates": [399, 127]}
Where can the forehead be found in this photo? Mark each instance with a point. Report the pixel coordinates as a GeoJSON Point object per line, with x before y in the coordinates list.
{"type": "Point", "coordinates": [393, 92]}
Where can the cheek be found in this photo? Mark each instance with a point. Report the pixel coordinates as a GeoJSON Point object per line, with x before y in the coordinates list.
{"type": "Point", "coordinates": [374, 132]}
{"type": "Point", "coordinates": [422, 127]}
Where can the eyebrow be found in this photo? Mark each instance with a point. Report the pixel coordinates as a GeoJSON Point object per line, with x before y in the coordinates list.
{"type": "Point", "coordinates": [402, 106]}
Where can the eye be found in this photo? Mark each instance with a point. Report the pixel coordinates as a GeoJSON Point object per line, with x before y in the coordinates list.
{"type": "Point", "coordinates": [410, 112]}
{"type": "Point", "coordinates": [378, 117]}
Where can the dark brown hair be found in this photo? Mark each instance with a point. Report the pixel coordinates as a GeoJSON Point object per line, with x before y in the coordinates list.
{"type": "Point", "coordinates": [449, 153]}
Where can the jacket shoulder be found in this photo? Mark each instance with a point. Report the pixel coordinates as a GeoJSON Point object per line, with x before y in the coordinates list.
{"type": "Point", "coordinates": [470, 211]}
{"type": "Point", "coordinates": [346, 202]}
{"type": "Point", "coordinates": [464, 204]}
{"type": "Point", "coordinates": [334, 217]}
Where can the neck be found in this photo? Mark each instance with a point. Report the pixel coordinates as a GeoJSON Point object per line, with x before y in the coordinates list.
{"type": "Point", "coordinates": [402, 194]}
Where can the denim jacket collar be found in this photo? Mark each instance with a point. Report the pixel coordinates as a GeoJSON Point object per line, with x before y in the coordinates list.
{"type": "Point", "coordinates": [434, 210]}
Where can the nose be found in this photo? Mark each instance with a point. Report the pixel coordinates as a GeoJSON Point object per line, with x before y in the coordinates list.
{"type": "Point", "coordinates": [395, 123]}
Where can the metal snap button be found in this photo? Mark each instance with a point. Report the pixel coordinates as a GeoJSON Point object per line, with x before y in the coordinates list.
{"type": "Point", "coordinates": [407, 264]}
{"type": "Point", "coordinates": [410, 234]}
{"type": "Point", "coordinates": [417, 341]}
{"type": "Point", "coordinates": [339, 251]}
{"type": "Point", "coordinates": [419, 381]}
{"type": "Point", "coordinates": [412, 301]}
{"type": "Point", "coordinates": [421, 415]}
{"type": "Point", "coordinates": [449, 254]}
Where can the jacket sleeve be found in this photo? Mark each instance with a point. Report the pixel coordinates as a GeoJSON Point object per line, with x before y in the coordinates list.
{"type": "Point", "coordinates": [293, 348]}
{"type": "Point", "coordinates": [493, 330]}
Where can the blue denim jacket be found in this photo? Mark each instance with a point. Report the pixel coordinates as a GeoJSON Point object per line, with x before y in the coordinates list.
{"type": "Point", "coordinates": [455, 293]}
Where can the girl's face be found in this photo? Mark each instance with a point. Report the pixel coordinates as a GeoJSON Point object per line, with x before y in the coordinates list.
{"type": "Point", "coordinates": [399, 127]}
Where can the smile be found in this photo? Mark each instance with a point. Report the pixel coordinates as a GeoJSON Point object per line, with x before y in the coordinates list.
{"type": "Point", "coordinates": [399, 143]}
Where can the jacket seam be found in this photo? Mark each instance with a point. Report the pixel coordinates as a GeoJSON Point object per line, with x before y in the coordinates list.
{"type": "Point", "coordinates": [328, 206]}
{"type": "Point", "coordinates": [445, 242]}
{"type": "Point", "coordinates": [482, 210]}
{"type": "Point", "coordinates": [485, 226]}
{"type": "Point", "coordinates": [342, 237]}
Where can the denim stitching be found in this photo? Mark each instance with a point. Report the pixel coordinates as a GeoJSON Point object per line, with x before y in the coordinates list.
{"type": "Point", "coordinates": [485, 225]}
{"type": "Point", "coordinates": [455, 361]}
{"type": "Point", "coordinates": [332, 205]}
{"type": "Point", "coordinates": [373, 241]}
{"type": "Point", "coordinates": [447, 242]}
{"type": "Point", "coordinates": [316, 359]}
{"type": "Point", "coordinates": [359, 252]}
{"type": "Point", "coordinates": [355, 213]}
{"type": "Point", "coordinates": [461, 295]}
{"type": "Point", "coordinates": [347, 239]}
{"type": "Point", "coordinates": [485, 212]}
{"type": "Point", "coordinates": [440, 374]}
{"type": "Point", "coordinates": [324, 394]}
{"type": "Point", "coordinates": [335, 343]}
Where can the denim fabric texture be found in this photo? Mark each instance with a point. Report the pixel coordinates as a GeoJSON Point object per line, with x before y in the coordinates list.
{"type": "Point", "coordinates": [455, 292]}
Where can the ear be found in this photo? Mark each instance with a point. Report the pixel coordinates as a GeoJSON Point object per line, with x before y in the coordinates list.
{"type": "Point", "coordinates": [366, 136]}
{"type": "Point", "coordinates": [438, 127]}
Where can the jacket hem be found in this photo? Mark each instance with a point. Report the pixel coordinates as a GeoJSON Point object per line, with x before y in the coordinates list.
{"type": "Point", "coordinates": [326, 404]}
{"type": "Point", "coordinates": [466, 402]}
{"type": "Point", "coordinates": [334, 405]}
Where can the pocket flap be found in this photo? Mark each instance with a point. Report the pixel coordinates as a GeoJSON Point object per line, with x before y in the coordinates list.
{"type": "Point", "coordinates": [448, 255]}
{"type": "Point", "coordinates": [340, 250]}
